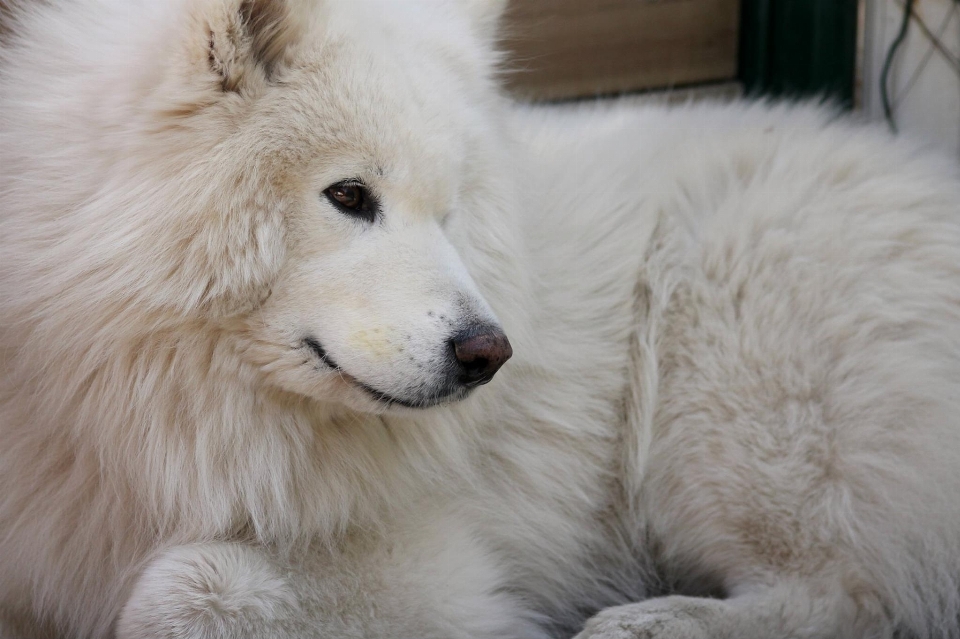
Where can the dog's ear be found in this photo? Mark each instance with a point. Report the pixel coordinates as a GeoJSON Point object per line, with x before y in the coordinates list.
{"type": "Point", "coordinates": [246, 42]}
{"type": "Point", "coordinates": [485, 15]}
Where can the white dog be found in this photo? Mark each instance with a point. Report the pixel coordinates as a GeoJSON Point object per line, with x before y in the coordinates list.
{"type": "Point", "coordinates": [257, 255]}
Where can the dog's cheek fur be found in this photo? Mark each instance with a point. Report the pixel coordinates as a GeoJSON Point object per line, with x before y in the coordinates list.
{"type": "Point", "coordinates": [194, 223]}
{"type": "Point", "coordinates": [231, 228]}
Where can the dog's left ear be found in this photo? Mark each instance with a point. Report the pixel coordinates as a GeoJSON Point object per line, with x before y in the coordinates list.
{"type": "Point", "coordinates": [250, 43]}
{"type": "Point", "coordinates": [246, 42]}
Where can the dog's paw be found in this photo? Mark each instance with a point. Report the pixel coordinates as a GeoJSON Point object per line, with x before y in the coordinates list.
{"type": "Point", "coordinates": [211, 591]}
{"type": "Point", "coordinates": [667, 618]}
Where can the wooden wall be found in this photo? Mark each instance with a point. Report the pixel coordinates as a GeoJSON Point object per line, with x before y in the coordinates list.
{"type": "Point", "coordinates": [569, 48]}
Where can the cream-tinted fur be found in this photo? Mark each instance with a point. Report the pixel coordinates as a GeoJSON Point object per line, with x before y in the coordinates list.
{"type": "Point", "coordinates": [736, 334]}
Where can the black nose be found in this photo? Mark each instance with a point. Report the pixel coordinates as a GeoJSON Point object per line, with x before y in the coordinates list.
{"type": "Point", "coordinates": [480, 353]}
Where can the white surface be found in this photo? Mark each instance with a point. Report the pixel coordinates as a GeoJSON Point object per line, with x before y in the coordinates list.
{"type": "Point", "coordinates": [924, 86]}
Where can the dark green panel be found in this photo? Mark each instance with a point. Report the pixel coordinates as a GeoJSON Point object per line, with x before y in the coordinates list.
{"type": "Point", "coordinates": [798, 48]}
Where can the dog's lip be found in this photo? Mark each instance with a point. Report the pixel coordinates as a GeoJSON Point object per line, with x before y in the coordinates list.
{"type": "Point", "coordinates": [390, 400]}
{"type": "Point", "coordinates": [314, 345]}
{"type": "Point", "coordinates": [383, 398]}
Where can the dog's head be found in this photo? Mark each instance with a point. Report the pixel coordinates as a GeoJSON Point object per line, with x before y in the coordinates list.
{"type": "Point", "coordinates": [366, 121]}
{"type": "Point", "coordinates": [317, 180]}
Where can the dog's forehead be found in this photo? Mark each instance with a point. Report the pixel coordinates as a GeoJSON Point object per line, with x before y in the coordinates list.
{"type": "Point", "coordinates": [405, 118]}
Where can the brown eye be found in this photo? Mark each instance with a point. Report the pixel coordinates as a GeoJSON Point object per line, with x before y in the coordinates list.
{"type": "Point", "coordinates": [348, 195]}
{"type": "Point", "coordinates": [352, 198]}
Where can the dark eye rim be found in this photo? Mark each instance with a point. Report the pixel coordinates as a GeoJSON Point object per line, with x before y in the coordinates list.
{"type": "Point", "coordinates": [367, 209]}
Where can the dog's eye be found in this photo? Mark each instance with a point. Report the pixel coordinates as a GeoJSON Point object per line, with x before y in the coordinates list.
{"type": "Point", "coordinates": [352, 198]}
{"type": "Point", "coordinates": [347, 195]}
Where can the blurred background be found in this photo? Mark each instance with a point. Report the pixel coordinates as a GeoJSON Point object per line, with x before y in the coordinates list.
{"type": "Point", "coordinates": [892, 60]}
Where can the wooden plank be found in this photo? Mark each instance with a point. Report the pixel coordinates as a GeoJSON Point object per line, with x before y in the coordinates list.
{"type": "Point", "coordinates": [569, 48]}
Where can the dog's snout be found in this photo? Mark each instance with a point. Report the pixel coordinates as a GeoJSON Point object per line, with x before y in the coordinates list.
{"type": "Point", "coordinates": [480, 354]}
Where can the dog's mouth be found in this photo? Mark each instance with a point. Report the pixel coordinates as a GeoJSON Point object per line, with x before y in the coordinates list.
{"type": "Point", "coordinates": [446, 396]}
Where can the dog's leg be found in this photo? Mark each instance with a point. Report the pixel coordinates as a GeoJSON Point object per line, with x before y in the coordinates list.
{"type": "Point", "coordinates": [787, 611]}
{"type": "Point", "coordinates": [435, 582]}
{"type": "Point", "coordinates": [209, 591]}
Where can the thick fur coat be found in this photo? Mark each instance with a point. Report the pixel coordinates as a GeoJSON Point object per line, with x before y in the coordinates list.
{"type": "Point", "coordinates": [733, 408]}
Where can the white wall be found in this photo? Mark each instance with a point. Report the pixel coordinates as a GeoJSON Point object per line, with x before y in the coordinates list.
{"type": "Point", "coordinates": [928, 109]}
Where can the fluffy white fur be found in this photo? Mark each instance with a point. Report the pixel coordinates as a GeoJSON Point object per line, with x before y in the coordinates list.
{"type": "Point", "coordinates": [736, 380]}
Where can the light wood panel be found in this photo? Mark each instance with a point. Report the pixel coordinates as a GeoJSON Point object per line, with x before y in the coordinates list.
{"type": "Point", "coordinates": [568, 48]}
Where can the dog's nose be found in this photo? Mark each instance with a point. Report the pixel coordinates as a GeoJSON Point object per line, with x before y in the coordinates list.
{"type": "Point", "coordinates": [480, 353]}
